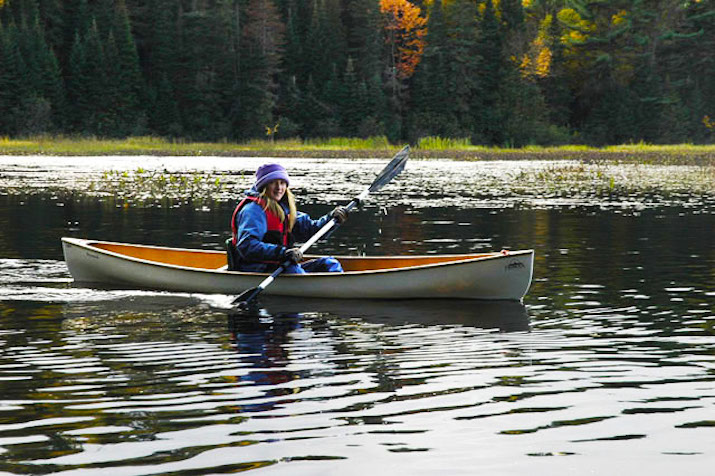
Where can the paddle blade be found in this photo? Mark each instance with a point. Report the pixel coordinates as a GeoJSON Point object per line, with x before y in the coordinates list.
{"type": "Point", "coordinates": [391, 170]}
{"type": "Point", "coordinates": [243, 299]}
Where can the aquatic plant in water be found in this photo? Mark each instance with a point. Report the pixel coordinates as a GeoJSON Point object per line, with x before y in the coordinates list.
{"type": "Point", "coordinates": [158, 184]}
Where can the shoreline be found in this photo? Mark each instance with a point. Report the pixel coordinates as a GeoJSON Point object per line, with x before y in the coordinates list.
{"type": "Point", "coordinates": [685, 154]}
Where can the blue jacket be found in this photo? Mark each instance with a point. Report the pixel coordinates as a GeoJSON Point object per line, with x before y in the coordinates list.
{"type": "Point", "coordinates": [252, 225]}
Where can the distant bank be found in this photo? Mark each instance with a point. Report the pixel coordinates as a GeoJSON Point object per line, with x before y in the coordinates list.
{"type": "Point", "coordinates": [428, 148]}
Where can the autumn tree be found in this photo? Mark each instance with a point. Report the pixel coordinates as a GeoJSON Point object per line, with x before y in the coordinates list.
{"type": "Point", "coordinates": [405, 31]}
{"type": "Point", "coordinates": [404, 28]}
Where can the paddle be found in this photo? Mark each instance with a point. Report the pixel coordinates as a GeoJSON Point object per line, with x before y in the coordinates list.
{"type": "Point", "coordinates": [391, 170]}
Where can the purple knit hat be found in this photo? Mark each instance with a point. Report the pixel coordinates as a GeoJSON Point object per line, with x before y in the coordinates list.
{"type": "Point", "coordinates": [269, 172]}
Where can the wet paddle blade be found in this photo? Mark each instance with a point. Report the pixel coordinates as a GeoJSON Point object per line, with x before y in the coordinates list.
{"type": "Point", "coordinates": [243, 299]}
{"type": "Point", "coordinates": [391, 170]}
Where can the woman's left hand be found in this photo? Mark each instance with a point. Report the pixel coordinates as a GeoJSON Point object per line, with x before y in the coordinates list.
{"type": "Point", "coordinates": [340, 214]}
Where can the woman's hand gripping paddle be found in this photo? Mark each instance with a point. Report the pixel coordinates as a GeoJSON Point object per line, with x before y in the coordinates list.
{"type": "Point", "coordinates": [391, 170]}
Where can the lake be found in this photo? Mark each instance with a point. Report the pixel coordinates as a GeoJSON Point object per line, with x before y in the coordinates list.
{"type": "Point", "coordinates": [607, 367]}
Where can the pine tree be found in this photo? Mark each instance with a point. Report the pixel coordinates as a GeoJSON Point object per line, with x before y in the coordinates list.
{"type": "Point", "coordinates": [98, 119]}
{"type": "Point", "coordinates": [325, 46]}
{"type": "Point", "coordinates": [128, 79]}
{"type": "Point", "coordinates": [464, 66]}
{"type": "Point", "coordinates": [166, 119]}
{"type": "Point", "coordinates": [44, 76]}
{"type": "Point", "coordinates": [53, 23]}
{"type": "Point", "coordinates": [76, 85]}
{"type": "Point", "coordinates": [14, 89]}
{"type": "Point", "coordinates": [262, 41]}
{"type": "Point", "coordinates": [486, 109]}
{"type": "Point", "coordinates": [87, 85]}
{"type": "Point", "coordinates": [163, 67]}
{"type": "Point", "coordinates": [432, 101]}
{"type": "Point", "coordinates": [554, 85]}
{"type": "Point", "coordinates": [76, 20]}
{"type": "Point", "coordinates": [351, 102]}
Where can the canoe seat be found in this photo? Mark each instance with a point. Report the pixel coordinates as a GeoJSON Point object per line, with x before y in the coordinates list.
{"type": "Point", "coordinates": [231, 257]}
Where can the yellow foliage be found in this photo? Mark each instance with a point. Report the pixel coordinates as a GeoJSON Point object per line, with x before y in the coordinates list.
{"type": "Point", "coordinates": [619, 18]}
{"type": "Point", "coordinates": [709, 123]}
{"type": "Point", "coordinates": [525, 66]}
{"type": "Point", "coordinates": [543, 62]}
{"type": "Point", "coordinates": [407, 29]}
{"type": "Point", "coordinates": [429, 3]}
{"type": "Point", "coordinates": [537, 62]}
{"type": "Point", "coordinates": [578, 27]}
{"type": "Point", "coordinates": [573, 36]}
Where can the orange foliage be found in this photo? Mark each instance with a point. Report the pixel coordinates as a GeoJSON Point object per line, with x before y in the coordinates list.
{"type": "Point", "coordinates": [406, 31]}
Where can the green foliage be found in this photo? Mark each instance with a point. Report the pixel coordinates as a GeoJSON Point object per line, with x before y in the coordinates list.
{"type": "Point", "coordinates": [504, 72]}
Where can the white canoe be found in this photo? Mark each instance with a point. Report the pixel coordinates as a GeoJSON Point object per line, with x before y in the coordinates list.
{"type": "Point", "coordinates": [488, 276]}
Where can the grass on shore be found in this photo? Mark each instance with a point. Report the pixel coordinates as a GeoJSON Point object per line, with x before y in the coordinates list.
{"type": "Point", "coordinates": [429, 147]}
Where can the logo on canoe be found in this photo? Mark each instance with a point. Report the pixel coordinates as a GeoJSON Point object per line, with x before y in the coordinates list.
{"type": "Point", "coordinates": [514, 265]}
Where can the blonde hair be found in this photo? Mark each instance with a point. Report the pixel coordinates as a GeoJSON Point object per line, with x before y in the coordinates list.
{"type": "Point", "coordinates": [275, 207]}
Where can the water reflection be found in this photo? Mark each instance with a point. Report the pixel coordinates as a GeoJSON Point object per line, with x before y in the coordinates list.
{"type": "Point", "coordinates": [504, 316]}
{"type": "Point", "coordinates": [262, 343]}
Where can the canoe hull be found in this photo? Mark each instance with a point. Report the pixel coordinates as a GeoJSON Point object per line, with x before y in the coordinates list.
{"type": "Point", "coordinates": [490, 277]}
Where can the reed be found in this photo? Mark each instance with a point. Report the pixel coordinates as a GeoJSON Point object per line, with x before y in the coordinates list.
{"type": "Point", "coordinates": [444, 143]}
{"type": "Point", "coordinates": [348, 147]}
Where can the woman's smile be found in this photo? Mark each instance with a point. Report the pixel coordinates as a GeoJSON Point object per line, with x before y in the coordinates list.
{"type": "Point", "coordinates": [276, 189]}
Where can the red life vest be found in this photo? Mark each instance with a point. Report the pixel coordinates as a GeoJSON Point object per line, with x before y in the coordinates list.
{"type": "Point", "coordinates": [277, 232]}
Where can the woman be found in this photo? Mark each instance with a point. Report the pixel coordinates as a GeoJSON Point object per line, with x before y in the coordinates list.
{"type": "Point", "coordinates": [266, 224]}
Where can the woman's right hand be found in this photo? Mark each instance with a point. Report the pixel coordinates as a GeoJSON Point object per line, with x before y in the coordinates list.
{"type": "Point", "coordinates": [294, 255]}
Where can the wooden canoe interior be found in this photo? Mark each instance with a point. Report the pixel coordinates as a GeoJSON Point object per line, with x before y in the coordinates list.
{"type": "Point", "coordinates": [206, 259]}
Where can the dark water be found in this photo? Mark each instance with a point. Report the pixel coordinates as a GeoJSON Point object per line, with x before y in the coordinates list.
{"type": "Point", "coordinates": [608, 367]}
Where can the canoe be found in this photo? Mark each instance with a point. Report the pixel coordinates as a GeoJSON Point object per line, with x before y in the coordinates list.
{"type": "Point", "coordinates": [487, 276]}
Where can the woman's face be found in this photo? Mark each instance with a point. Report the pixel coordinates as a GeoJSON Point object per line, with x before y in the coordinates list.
{"type": "Point", "coordinates": [276, 189]}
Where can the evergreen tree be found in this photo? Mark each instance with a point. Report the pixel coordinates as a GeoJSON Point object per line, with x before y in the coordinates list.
{"type": "Point", "coordinates": [53, 23]}
{"type": "Point", "coordinates": [127, 78]}
{"type": "Point", "coordinates": [47, 103]}
{"type": "Point", "coordinates": [87, 85]}
{"type": "Point", "coordinates": [512, 14]}
{"type": "Point", "coordinates": [166, 119]}
{"type": "Point", "coordinates": [365, 44]}
{"type": "Point", "coordinates": [162, 60]}
{"type": "Point", "coordinates": [464, 67]}
{"type": "Point", "coordinates": [351, 102]}
{"type": "Point", "coordinates": [76, 19]}
{"type": "Point", "coordinates": [13, 87]}
{"type": "Point", "coordinates": [554, 85]}
{"type": "Point", "coordinates": [325, 46]}
{"type": "Point", "coordinates": [261, 54]}
{"type": "Point", "coordinates": [432, 111]}
{"type": "Point", "coordinates": [485, 108]}
{"type": "Point", "coordinates": [76, 84]}
{"type": "Point", "coordinates": [98, 119]}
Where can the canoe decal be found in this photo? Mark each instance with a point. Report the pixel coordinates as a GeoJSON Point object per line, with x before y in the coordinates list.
{"type": "Point", "coordinates": [514, 265]}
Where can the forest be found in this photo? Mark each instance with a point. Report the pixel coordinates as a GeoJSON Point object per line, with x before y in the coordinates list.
{"type": "Point", "coordinates": [494, 72]}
